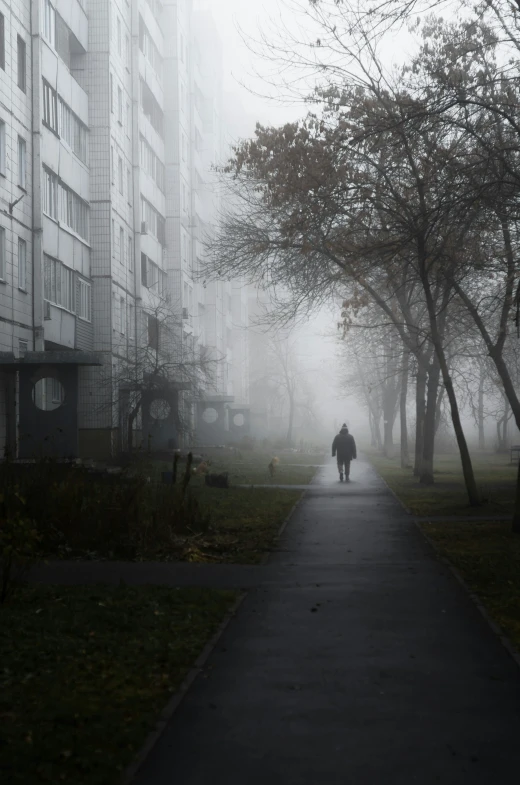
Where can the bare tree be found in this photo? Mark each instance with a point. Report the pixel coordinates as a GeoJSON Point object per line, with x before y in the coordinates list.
{"type": "Point", "coordinates": [153, 364]}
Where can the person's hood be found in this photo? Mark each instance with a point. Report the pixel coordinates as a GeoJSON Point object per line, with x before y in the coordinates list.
{"type": "Point", "coordinates": [344, 430]}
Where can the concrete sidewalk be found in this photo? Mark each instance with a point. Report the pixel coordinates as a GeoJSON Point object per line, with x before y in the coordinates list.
{"type": "Point", "coordinates": [357, 660]}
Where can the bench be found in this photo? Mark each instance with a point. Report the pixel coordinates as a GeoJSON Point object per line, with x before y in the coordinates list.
{"type": "Point", "coordinates": [515, 448]}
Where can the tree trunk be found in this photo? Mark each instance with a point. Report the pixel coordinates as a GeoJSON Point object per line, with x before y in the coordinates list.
{"type": "Point", "coordinates": [388, 431]}
{"type": "Point", "coordinates": [495, 352]}
{"type": "Point", "coordinates": [516, 514]}
{"type": "Point", "coordinates": [438, 410]}
{"type": "Point", "coordinates": [467, 467]}
{"type": "Point", "coordinates": [390, 398]}
{"type": "Point", "coordinates": [499, 445]}
{"type": "Point", "coordinates": [426, 475]}
{"type": "Point", "coordinates": [480, 415]}
{"type": "Point", "coordinates": [289, 438]}
{"type": "Point", "coordinates": [373, 441]}
{"type": "Point", "coordinates": [420, 395]}
{"type": "Point", "coordinates": [130, 429]}
{"type": "Point", "coordinates": [405, 456]}
{"type": "Point", "coordinates": [378, 432]}
{"type": "Point", "coordinates": [505, 422]}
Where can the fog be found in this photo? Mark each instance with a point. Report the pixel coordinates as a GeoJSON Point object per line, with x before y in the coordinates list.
{"type": "Point", "coordinates": [254, 100]}
{"type": "Point", "coordinates": [308, 47]}
{"type": "Point", "coordinates": [259, 392]}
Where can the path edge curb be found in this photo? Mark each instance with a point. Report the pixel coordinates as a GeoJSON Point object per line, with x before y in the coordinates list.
{"type": "Point", "coordinates": [176, 699]}
{"type": "Point", "coordinates": [394, 494]}
{"type": "Point", "coordinates": [496, 628]}
{"type": "Point", "coordinates": [281, 530]}
{"type": "Point", "coordinates": [513, 652]}
{"type": "Point", "coordinates": [289, 515]}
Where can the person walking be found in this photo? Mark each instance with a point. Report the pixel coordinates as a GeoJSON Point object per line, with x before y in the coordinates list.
{"type": "Point", "coordinates": [344, 447]}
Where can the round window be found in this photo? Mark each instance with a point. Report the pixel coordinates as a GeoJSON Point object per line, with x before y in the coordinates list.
{"type": "Point", "coordinates": [239, 420]}
{"type": "Point", "coordinates": [48, 394]}
{"type": "Point", "coordinates": [160, 409]}
{"type": "Point", "coordinates": [210, 415]}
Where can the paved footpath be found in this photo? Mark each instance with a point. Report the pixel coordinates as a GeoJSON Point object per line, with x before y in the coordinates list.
{"type": "Point", "coordinates": [357, 660]}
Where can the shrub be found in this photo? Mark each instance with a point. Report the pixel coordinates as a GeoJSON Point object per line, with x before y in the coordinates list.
{"type": "Point", "coordinates": [79, 513]}
{"type": "Point", "coordinates": [19, 541]}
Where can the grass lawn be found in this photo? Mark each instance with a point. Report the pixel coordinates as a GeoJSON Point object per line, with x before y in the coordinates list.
{"type": "Point", "coordinates": [487, 554]}
{"type": "Point", "coordinates": [245, 522]}
{"type": "Point", "coordinates": [85, 672]}
{"type": "Point", "coordinates": [243, 526]}
{"type": "Point", "coordinates": [495, 475]}
{"type": "Point", "coordinates": [250, 467]}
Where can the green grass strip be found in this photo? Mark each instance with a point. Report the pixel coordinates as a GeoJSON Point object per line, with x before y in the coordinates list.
{"type": "Point", "coordinates": [487, 555]}
{"type": "Point", "coordinates": [85, 672]}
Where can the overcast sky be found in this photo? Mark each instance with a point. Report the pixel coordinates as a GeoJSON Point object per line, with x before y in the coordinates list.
{"type": "Point", "coordinates": [250, 17]}
{"type": "Point", "coordinates": [318, 351]}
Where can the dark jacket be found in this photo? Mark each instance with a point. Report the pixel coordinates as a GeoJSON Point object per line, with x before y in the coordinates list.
{"type": "Point", "coordinates": [344, 445]}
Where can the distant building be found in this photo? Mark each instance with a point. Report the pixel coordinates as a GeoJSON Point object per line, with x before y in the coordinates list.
{"type": "Point", "coordinates": [110, 122]}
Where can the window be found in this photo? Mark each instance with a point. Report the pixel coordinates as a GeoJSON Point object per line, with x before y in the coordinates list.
{"type": "Point", "coordinates": [121, 245]}
{"type": "Point", "coordinates": [182, 48]}
{"type": "Point", "coordinates": [112, 164]}
{"type": "Point", "coordinates": [117, 313]}
{"type": "Point", "coordinates": [2, 147]}
{"type": "Point", "coordinates": [120, 105]}
{"type": "Point", "coordinates": [64, 41]}
{"type": "Point", "coordinates": [22, 264]}
{"type": "Point", "coordinates": [50, 193]}
{"type": "Point", "coordinates": [113, 236]}
{"type": "Point", "coordinates": [57, 391]}
{"type": "Point", "coordinates": [72, 131]}
{"type": "Point", "coordinates": [151, 108]}
{"type": "Point", "coordinates": [65, 123]}
{"type": "Point", "coordinates": [127, 51]}
{"type": "Point", "coordinates": [130, 254]}
{"type": "Point", "coordinates": [49, 23]}
{"type": "Point", "coordinates": [153, 332]}
{"type": "Point", "coordinates": [129, 184]}
{"type": "Point", "coordinates": [21, 63]}
{"type": "Point", "coordinates": [128, 120]}
{"type": "Point", "coordinates": [84, 301]}
{"type": "Point", "coordinates": [122, 310]}
{"type": "Point", "coordinates": [154, 221]}
{"type": "Point", "coordinates": [23, 346]}
{"type": "Point", "coordinates": [2, 254]}
{"type": "Point", "coordinates": [151, 164]}
{"type": "Point", "coordinates": [152, 276]}
{"type": "Point", "coordinates": [50, 107]}
{"type": "Point", "coordinates": [111, 93]}
{"type": "Point", "coordinates": [119, 50]}
{"type": "Point", "coordinates": [2, 42]}
{"type": "Point", "coordinates": [58, 284]}
{"type": "Point", "coordinates": [149, 49]}
{"type": "Point", "coordinates": [120, 174]}
{"type": "Point", "coordinates": [131, 320]}
{"type": "Point", "coordinates": [73, 211]}
{"type": "Point", "coordinates": [22, 174]}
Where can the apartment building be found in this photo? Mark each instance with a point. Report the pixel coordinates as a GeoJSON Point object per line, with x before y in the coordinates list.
{"type": "Point", "coordinates": [16, 325]}
{"type": "Point", "coordinates": [45, 283]}
{"type": "Point", "coordinates": [110, 122]}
